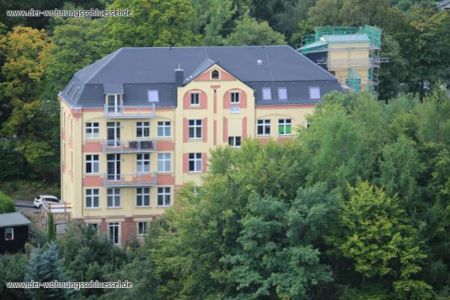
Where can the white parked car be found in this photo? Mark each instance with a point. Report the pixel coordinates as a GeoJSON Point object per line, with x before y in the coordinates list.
{"type": "Point", "coordinates": [44, 199]}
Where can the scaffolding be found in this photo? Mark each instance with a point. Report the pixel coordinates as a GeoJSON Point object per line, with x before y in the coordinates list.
{"type": "Point", "coordinates": [318, 43]}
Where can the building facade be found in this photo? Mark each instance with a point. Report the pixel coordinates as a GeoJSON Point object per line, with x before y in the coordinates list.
{"type": "Point", "coordinates": [139, 123]}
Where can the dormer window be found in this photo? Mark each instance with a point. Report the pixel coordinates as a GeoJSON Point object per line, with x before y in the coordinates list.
{"type": "Point", "coordinates": [114, 103]}
{"type": "Point", "coordinates": [282, 93]}
{"type": "Point", "coordinates": [153, 96]}
{"type": "Point", "coordinates": [215, 74]}
{"type": "Point", "coordinates": [267, 93]}
{"type": "Point", "coordinates": [314, 93]}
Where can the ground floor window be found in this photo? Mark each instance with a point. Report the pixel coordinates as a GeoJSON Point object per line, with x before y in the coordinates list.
{"type": "Point", "coordinates": [142, 228]}
{"type": "Point", "coordinates": [9, 234]}
{"type": "Point", "coordinates": [114, 232]}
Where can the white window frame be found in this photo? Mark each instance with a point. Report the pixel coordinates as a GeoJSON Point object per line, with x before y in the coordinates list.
{"type": "Point", "coordinates": [115, 195]}
{"type": "Point", "coordinates": [164, 126]}
{"type": "Point", "coordinates": [95, 164]}
{"type": "Point", "coordinates": [263, 123]}
{"type": "Point", "coordinates": [162, 193]}
{"type": "Point", "coordinates": [118, 103]}
{"type": "Point", "coordinates": [195, 99]}
{"type": "Point", "coordinates": [114, 225]}
{"type": "Point", "coordinates": [196, 126]}
{"type": "Point", "coordinates": [282, 93]}
{"type": "Point", "coordinates": [145, 227]}
{"type": "Point", "coordinates": [94, 128]}
{"type": "Point", "coordinates": [164, 158]}
{"type": "Point", "coordinates": [153, 96]}
{"type": "Point", "coordinates": [266, 93]}
{"type": "Point", "coordinates": [144, 128]}
{"type": "Point", "coordinates": [284, 123]}
{"type": "Point", "coordinates": [90, 196]}
{"type": "Point", "coordinates": [196, 159]}
{"type": "Point", "coordinates": [314, 93]}
{"type": "Point", "coordinates": [143, 163]}
{"type": "Point", "coordinates": [11, 231]}
{"type": "Point", "coordinates": [235, 141]}
{"type": "Point", "coordinates": [142, 193]}
{"type": "Point", "coordinates": [235, 97]}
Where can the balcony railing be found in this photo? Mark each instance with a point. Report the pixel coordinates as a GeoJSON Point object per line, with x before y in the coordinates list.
{"type": "Point", "coordinates": [129, 112]}
{"type": "Point", "coordinates": [136, 146]}
{"type": "Point", "coordinates": [130, 179]}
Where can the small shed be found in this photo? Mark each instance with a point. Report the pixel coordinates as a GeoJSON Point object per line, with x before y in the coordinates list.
{"type": "Point", "coordinates": [14, 231]}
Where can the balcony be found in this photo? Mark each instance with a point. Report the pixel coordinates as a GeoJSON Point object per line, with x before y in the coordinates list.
{"type": "Point", "coordinates": [136, 146]}
{"type": "Point", "coordinates": [130, 180]}
{"type": "Point", "coordinates": [130, 112]}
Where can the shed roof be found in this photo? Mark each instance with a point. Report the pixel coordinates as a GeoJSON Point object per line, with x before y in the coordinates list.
{"type": "Point", "coordinates": [13, 219]}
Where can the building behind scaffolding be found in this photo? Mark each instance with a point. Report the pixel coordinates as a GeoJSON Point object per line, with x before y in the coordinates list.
{"type": "Point", "coordinates": [352, 54]}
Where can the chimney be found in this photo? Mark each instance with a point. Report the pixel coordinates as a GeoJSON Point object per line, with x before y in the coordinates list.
{"type": "Point", "coordinates": [179, 76]}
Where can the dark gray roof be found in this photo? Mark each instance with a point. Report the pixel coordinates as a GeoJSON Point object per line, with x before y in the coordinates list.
{"type": "Point", "coordinates": [133, 71]}
{"type": "Point", "coordinates": [13, 219]}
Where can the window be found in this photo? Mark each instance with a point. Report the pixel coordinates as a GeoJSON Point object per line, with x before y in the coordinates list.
{"type": "Point", "coordinates": [263, 127]}
{"type": "Point", "coordinates": [282, 93]}
{"type": "Point", "coordinates": [93, 226]}
{"type": "Point", "coordinates": [9, 234]}
{"type": "Point", "coordinates": [195, 99]}
{"type": "Point", "coordinates": [114, 103]}
{"type": "Point", "coordinates": [284, 126]}
{"type": "Point", "coordinates": [234, 141]}
{"type": "Point", "coordinates": [164, 129]}
{"type": "Point", "coordinates": [164, 162]}
{"type": "Point", "coordinates": [92, 198]}
{"type": "Point", "coordinates": [143, 163]}
{"type": "Point", "coordinates": [114, 232]}
{"type": "Point", "coordinates": [234, 97]}
{"type": "Point", "coordinates": [314, 93]}
{"type": "Point", "coordinates": [195, 162]}
{"type": "Point", "coordinates": [113, 198]}
{"type": "Point", "coordinates": [92, 164]}
{"type": "Point", "coordinates": [153, 96]}
{"type": "Point", "coordinates": [142, 228]}
{"type": "Point", "coordinates": [195, 129]}
{"type": "Point", "coordinates": [164, 196]}
{"type": "Point", "coordinates": [92, 130]}
{"type": "Point", "coordinates": [215, 74]}
{"type": "Point", "coordinates": [267, 93]}
{"type": "Point", "coordinates": [142, 197]}
{"type": "Point", "coordinates": [142, 129]}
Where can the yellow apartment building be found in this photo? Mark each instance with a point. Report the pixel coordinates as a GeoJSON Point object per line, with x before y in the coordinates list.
{"type": "Point", "coordinates": [139, 123]}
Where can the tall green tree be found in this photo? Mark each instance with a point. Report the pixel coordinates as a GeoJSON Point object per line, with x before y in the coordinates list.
{"type": "Point", "coordinates": [45, 266]}
{"type": "Point", "coordinates": [249, 31]}
{"type": "Point", "coordinates": [380, 240]}
{"type": "Point", "coordinates": [155, 23]}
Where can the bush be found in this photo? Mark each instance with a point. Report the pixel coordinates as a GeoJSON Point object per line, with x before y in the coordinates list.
{"type": "Point", "coordinates": [6, 204]}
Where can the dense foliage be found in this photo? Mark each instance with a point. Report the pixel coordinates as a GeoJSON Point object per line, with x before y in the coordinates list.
{"type": "Point", "coordinates": [6, 204]}
{"type": "Point", "coordinates": [355, 207]}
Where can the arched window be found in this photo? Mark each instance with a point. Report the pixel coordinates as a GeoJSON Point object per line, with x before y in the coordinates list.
{"type": "Point", "coordinates": [215, 74]}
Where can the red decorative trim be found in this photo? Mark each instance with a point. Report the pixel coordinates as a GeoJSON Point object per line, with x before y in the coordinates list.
{"type": "Point", "coordinates": [92, 147]}
{"type": "Point", "coordinates": [215, 86]}
{"type": "Point", "coordinates": [215, 132]}
{"type": "Point", "coordinates": [162, 145]}
{"type": "Point", "coordinates": [244, 127]}
{"type": "Point", "coordinates": [242, 99]}
{"type": "Point", "coordinates": [185, 162]}
{"type": "Point", "coordinates": [185, 130]}
{"type": "Point", "coordinates": [165, 179]}
{"type": "Point", "coordinates": [225, 129]}
{"type": "Point", "coordinates": [205, 129]}
{"type": "Point", "coordinates": [204, 162]}
{"type": "Point", "coordinates": [202, 99]}
{"type": "Point", "coordinates": [94, 180]}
